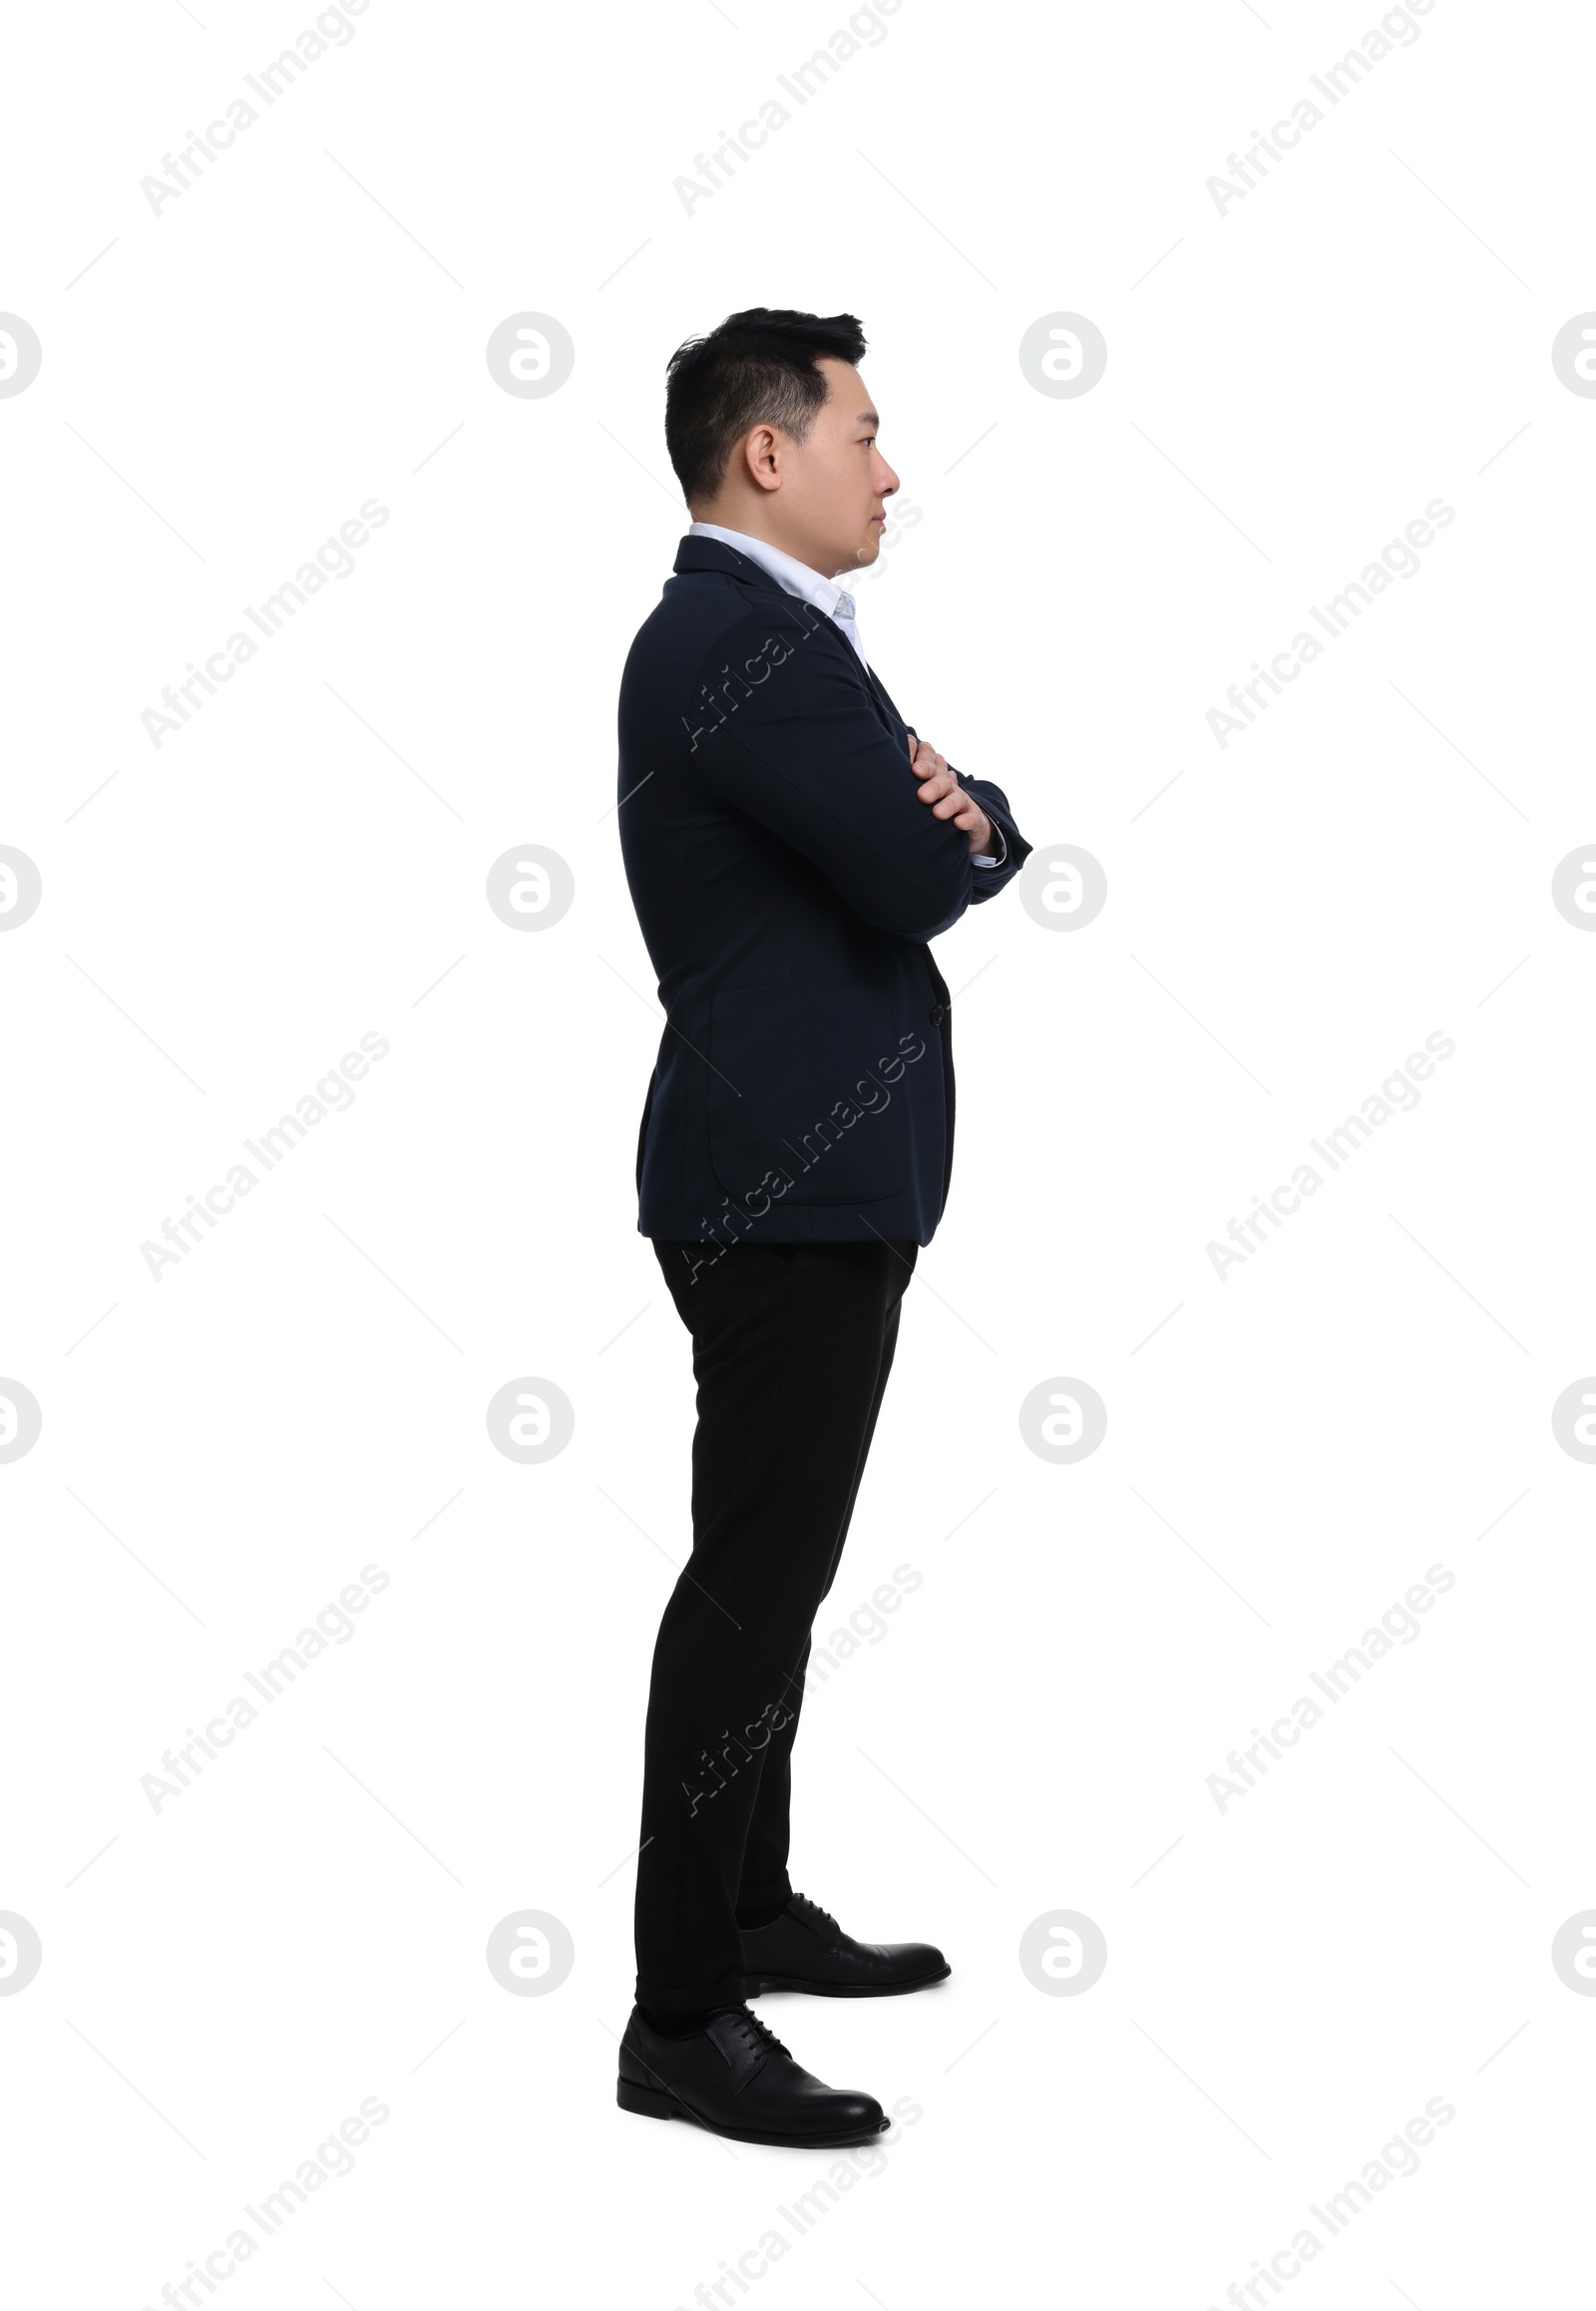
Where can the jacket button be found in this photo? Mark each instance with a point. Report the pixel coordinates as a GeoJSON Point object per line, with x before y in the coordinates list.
{"type": "Point", "coordinates": [938, 1016]}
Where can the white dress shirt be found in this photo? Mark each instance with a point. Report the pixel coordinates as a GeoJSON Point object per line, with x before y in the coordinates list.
{"type": "Point", "coordinates": [797, 577]}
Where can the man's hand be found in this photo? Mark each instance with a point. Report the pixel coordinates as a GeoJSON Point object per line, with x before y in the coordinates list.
{"type": "Point", "coordinates": [947, 799]}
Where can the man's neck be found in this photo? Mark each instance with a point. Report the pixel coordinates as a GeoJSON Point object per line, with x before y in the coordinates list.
{"type": "Point", "coordinates": [746, 529]}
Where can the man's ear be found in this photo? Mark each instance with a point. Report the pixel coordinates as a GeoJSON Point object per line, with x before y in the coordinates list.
{"type": "Point", "coordinates": [761, 443]}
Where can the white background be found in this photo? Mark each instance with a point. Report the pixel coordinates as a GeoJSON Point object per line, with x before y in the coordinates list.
{"type": "Point", "coordinates": [1287, 384]}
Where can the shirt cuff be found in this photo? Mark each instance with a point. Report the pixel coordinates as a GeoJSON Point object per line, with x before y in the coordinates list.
{"type": "Point", "coordinates": [980, 859]}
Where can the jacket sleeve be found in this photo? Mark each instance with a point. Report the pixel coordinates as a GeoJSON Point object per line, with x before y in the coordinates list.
{"type": "Point", "coordinates": [778, 728]}
{"type": "Point", "coordinates": [991, 880]}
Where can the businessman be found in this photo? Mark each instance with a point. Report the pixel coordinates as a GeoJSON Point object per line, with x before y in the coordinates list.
{"type": "Point", "coordinates": [792, 847]}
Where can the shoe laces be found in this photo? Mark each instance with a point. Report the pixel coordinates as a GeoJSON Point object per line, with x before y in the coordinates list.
{"type": "Point", "coordinates": [758, 2035]}
{"type": "Point", "coordinates": [812, 1914]}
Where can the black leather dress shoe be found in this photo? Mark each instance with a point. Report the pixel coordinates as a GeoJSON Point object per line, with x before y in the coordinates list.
{"type": "Point", "coordinates": [806, 1949]}
{"type": "Point", "coordinates": [736, 2078]}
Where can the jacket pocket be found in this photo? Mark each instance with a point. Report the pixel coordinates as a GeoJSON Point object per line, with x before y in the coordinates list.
{"type": "Point", "coordinates": [808, 1087]}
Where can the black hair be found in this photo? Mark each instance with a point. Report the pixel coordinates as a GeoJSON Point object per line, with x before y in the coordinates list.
{"type": "Point", "coordinates": [759, 365]}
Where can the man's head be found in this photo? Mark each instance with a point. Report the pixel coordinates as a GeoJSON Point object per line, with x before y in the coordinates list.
{"type": "Point", "coordinates": [771, 431]}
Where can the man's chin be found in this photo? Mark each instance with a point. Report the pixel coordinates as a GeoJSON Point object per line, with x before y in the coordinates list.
{"type": "Point", "coordinates": [863, 555]}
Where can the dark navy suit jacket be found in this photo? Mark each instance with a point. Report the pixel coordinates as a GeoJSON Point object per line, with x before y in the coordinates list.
{"type": "Point", "coordinates": [787, 880]}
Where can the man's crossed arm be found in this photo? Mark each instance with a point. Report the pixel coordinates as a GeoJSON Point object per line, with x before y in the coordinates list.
{"type": "Point", "coordinates": [940, 788]}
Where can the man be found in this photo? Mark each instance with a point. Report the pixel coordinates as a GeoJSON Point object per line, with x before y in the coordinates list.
{"type": "Point", "coordinates": [792, 846]}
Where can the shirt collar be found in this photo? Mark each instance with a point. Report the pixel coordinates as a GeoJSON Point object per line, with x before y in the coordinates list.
{"type": "Point", "coordinates": [796, 577]}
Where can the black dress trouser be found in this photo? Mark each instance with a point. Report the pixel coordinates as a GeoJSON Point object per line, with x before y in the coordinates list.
{"type": "Point", "coordinates": [792, 1345]}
